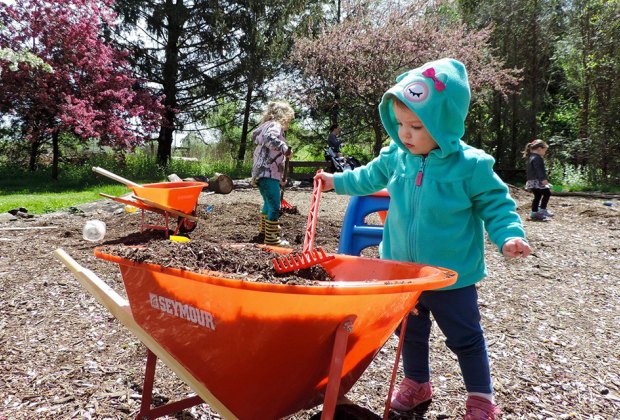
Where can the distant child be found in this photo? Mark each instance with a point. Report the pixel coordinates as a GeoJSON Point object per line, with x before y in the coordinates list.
{"type": "Point", "coordinates": [268, 167]}
{"type": "Point", "coordinates": [537, 181]}
{"type": "Point", "coordinates": [333, 141]}
{"type": "Point", "coordinates": [443, 194]}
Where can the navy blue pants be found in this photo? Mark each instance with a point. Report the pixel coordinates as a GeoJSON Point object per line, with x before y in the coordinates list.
{"type": "Point", "coordinates": [457, 315]}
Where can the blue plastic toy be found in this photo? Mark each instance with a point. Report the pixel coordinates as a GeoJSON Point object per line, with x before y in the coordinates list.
{"type": "Point", "coordinates": [356, 234]}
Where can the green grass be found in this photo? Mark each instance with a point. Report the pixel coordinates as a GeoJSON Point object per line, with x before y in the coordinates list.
{"type": "Point", "coordinates": [78, 184]}
{"type": "Point", "coordinates": [45, 202]}
{"type": "Point", "coordinates": [39, 193]}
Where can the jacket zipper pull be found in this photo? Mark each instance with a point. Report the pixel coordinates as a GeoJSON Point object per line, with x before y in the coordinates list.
{"type": "Point", "coordinates": [418, 180]}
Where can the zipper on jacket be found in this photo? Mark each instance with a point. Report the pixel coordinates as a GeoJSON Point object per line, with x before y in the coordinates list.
{"type": "Point", "coordinates": [418, 179]}
{"type": "Point", "coordinates": [416, 194]}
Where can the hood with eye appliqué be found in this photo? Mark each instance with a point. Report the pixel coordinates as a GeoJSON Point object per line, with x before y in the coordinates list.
{"type": "Point", "coordinates": [440, 204]}
{"type": "Point", "coordinates": [439, 94]}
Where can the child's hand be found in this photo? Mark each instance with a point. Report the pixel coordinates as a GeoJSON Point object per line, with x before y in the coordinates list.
{"type": "Point", "coordinates": [328, 180]}
{"type": "Point", "coordinates": [516, 247]}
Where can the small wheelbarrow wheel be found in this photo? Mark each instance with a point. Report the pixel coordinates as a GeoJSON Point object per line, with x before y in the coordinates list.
{"type": "Point", "coordinates": [186, 225]}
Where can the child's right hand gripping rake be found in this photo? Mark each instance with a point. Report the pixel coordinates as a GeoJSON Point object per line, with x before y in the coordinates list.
{"type": "Point", "coordinates": [309, 256]}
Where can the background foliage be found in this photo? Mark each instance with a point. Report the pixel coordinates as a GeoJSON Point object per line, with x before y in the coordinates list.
{"type": "Point", "coordinates": [539, 69]}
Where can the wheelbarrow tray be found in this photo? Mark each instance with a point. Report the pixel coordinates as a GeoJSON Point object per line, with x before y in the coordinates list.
{"type": "Point", "coordinates": [180, 196]}
{"type": "Point", "coordinates": [261, 349]}
{"type": "Point", "coordinates": [141, 204]}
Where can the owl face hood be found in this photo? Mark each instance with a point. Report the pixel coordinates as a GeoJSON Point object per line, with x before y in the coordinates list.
{"type": "Point", "coordinates": [438, 92]}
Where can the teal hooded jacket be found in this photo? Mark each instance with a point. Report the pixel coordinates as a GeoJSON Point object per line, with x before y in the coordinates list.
{"type": "Point", "coordinates": [441, 203]}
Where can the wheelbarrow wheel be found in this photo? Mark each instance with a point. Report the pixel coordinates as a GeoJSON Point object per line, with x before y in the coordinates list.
{"type": "Point", "coordinates": [186, 225]}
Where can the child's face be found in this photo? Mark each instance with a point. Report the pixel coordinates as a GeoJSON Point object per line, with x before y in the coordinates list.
{"type": "Point", "coordinates": [412, 132]}
{"type": "Point", "coordinates": [286, 124]}
{"type": "Point", "coordinates": [540, 151]}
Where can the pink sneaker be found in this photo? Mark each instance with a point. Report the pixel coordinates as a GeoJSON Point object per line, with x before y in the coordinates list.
{"type": "Point", "coordinates": [479, 408]}
{"type": "Point", "coordinates": [412, 395]}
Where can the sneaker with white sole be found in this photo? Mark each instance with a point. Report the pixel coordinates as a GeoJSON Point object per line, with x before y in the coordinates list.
{"type": "Point", "coordinates": [538, 216]}
{"type": "Point", "coordinates": [546, 212]}
{"type": "Point", "coordinates": [479, 408]}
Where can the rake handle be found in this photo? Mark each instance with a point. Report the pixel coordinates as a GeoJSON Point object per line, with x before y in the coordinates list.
{"type": "Point", "coordinates": [312, 215]}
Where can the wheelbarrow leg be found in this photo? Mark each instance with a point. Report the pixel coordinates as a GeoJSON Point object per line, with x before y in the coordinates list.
{"type": "Point", "coordinates": [335, 368]}
{"type": "Point", "coordinates": [399, 349]}
{"type": "Point", "coordinates": [148, 413]}
{"type": "Point", "coordinates": [142, 221]}
{"type": "Point", "coordinates": [147, 386]}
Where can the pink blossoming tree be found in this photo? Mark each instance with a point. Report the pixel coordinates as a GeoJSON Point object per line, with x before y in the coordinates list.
{"type": "Point", "coordinates": [91, 93]}
{"type": "Point", "coordinates": [360, 58]}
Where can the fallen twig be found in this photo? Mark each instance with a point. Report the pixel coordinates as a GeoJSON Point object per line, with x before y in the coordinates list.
{"type": "Point", "coordinates": [29, 228]}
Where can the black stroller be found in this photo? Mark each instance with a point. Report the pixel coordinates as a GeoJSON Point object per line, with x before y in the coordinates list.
{"type": "Point", "coordinates": [337, 163]}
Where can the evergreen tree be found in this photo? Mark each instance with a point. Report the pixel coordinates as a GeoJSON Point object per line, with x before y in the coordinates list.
{"type": "Point", "coordinates": [267, 29]}
{"type": "Point", "coordinates": [188, 48]}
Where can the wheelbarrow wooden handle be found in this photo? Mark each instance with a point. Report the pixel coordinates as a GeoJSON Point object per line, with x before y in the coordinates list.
{"type": "Point", "coordinates": [115, 177]}
{"type": "Point", "coordinates": [165, 208]}
{"type": "Point", "coordinates": [119, 307]}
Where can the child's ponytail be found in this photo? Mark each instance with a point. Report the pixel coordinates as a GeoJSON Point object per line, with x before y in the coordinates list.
{"type": "Point", "coordinates": [534, 144]}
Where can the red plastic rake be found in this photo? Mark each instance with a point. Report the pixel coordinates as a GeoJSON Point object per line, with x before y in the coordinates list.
{"type": "Point", "coordinates": [297, 261]}
{"type": "Point", "coordinates": [309, 256]}
{"type": "Point", "coordinates": [286, 205]}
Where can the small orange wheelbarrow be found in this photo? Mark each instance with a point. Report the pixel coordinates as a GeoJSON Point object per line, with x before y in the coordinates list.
{"type": "Point", "coordinates": [177, 199]}
{"type": "Point", "coordinates": [259, 350]}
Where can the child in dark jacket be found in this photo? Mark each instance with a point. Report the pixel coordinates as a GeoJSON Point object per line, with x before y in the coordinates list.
{"type": "Point", "coordinates": [537, 181]}
{"type": "Point", "coordinates": [443, 194]}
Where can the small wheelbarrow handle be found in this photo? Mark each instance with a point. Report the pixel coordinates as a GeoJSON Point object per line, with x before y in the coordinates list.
{"type": "Point", "coordinates": [115, 177]}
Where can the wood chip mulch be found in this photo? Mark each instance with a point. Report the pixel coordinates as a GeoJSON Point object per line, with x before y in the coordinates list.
{"type": "Point", "coordinates": [551, 321]}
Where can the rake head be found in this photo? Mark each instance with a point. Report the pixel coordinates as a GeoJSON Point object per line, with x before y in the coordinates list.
{"type": "Point", "coordinates": [286, 204]}
{"type": "Point", "coordinates": [286, 207]}
{"type": "Point", "coordinates": [297, 261]}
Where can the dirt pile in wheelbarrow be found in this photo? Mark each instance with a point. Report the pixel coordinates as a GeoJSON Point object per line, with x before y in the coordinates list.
{"type": "Point", "coordinates": [245, 262]}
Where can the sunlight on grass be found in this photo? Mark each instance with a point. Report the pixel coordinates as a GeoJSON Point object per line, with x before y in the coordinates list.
{"type": "Point", "coordinates": [38, 203]}
{"type": "Point", "coordinates": [78, 184]}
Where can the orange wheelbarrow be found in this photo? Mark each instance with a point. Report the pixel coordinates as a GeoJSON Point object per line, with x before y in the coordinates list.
{"type": "Point", "coordinates": [168, 199]}
{"type": "Point", "coordinates": [259, 350]}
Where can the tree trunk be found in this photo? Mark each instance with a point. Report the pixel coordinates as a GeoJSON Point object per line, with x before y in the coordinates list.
{"type": "Point", "coordinates": [498, 127]}
{"type": "Point", "coordinates": [34, 153]}
{"type": "Point", "coordinates": [55, 154]}
{"type": "Point", "coordinates": [335, 111]}
{"type": "Point", "coordinates": [378, 129]}
{"type": "Point", "coordinates": [164, 149]}
{"type": "Point", "coordinates": [536, 84]}
{"type": "Point", "coordinates": [474, 129]}
{"type": "Point", "coordinates": [246, 123]}
{"type": "Point", "coordinates": [584, 120]}
{"type": "Point", "coordinates": [515, 140]}
{"type": "Point", "coordinates": [176, 15]}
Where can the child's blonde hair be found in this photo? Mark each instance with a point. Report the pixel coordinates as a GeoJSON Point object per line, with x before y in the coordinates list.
{"type": "Point", "coordinates": [533, 145]}
{"type": "Point", "coordinates": [279, 111]}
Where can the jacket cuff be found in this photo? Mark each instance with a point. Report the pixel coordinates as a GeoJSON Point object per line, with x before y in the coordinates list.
{"type": "Point", "coordinates": [339, 184]}
{"type": "Point", "coordinates": [508, 239]}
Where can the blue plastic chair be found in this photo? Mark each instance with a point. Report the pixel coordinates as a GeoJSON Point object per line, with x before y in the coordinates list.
{"type": "Point", "coordinates": [356, 234]}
